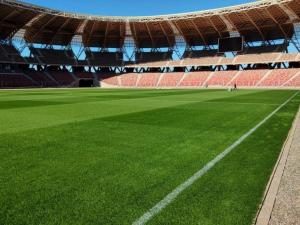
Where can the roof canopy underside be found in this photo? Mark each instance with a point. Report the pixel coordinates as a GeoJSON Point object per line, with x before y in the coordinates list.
{"type": "Point", "coordinates": [259, 21]}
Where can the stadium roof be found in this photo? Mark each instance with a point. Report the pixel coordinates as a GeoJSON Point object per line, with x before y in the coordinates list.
{"type": "Point", "coordinates": [258, 21]}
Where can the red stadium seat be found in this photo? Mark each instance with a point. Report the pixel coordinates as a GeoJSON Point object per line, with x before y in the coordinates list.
{"type": "Point", "coordinates": [129, 79]}
{"type": "Point", "coordinates": [195, 79]}
{"type": "Point", "coordinates": [221, 78]}
{"type": "Point", "coordinates": [278, 77]}
{"type": "Point", "coordinates": [249, 78]}
{"type": "Point", "coordinates": [149, 80]}
{"type": "Point", "coordinates": [170, 79]}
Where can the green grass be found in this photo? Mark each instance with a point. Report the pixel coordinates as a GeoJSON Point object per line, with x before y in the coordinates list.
{"type": "Point", "coordinates": [91, 156]}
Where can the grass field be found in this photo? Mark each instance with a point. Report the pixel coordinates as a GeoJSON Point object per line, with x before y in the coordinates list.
{"type": "Point", "coordinates": [91, 156]}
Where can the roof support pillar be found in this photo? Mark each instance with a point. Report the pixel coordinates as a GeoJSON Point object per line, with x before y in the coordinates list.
{"type": "Point", "coordinates": [198, 31]}
{"type": "Point", "coordinates": [257, 28]}
{"type": "Point", "coordinates": [293, 16]}
{"type": "Point", "coordinates": [59, 29]}
{"type": "Point", "coordinates": [229, 25]}
{"type": "Point", "coordinates": [150, 35]}
{"type": "Point", "coordinates": [165, 33]}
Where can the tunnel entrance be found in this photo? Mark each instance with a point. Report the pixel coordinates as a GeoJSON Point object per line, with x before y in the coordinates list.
{"type": "Point", "coordinates": [86, 83]}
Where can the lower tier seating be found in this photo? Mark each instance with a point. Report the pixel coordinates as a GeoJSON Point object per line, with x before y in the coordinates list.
{"type": "Point", "coordinates": [294, 82]}
{"type": "Point", "coordinates": [129, 79]}
{"type": "Point", "coordinates": [41, 78]}
{"type": "Point", "coordinates": [64, 78]}
{"type": "Point", "coordinates": [149, 80]}
{"type": "Point", "coordinates": [15, 80]}
{"type": "Point", "coordinates": [170, 79]}
{"type": "Point", "coordinates": [246, 78]}
{"type": "Point", "coordinates": [221, 78]}
{"type": "Point", "coordinates": [109, 78]}
{"type": "Point", "coordinates": [84, 75]}
{"type": "Point", "coordinates": [194, 79]}
{"type": "Point", "coordinates": [249, 78]}
{"type": "Point", "coordinates": [278, 77]}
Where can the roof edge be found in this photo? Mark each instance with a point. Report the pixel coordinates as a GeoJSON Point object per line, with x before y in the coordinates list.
{"type": "Point", "coordinates": [177, 16]}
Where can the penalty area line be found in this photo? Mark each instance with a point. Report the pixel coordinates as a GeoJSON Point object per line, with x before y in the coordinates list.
{"type": "Point", "coordinates": [179, 189]}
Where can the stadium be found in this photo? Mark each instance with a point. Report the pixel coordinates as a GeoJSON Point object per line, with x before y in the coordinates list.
{"type": "Point", "coordinates": [188, 118]}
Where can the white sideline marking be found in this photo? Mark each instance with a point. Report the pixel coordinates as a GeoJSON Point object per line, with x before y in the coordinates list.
{"type": "Point", "coordinates": [177, 191]}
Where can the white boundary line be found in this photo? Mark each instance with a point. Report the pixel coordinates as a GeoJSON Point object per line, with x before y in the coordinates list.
{"type": "Point", "coordinates": [179, 189]}
{"type": "Point", "coordinates": [266, 208]}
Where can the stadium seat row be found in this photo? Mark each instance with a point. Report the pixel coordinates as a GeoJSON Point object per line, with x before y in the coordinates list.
{"type": "Point", "coordinates": [246, 78]}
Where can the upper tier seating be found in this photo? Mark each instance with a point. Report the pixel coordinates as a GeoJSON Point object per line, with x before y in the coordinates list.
{"type": "Point", "coordinates": [146, 57]}
{"type": "Point", "coordinates": [261, 54]}
{"type": "Point", "coordinates": [174, 63]}
{"type": "Point", "coordinates": [8, 53]}
{"type": "Point", "coordinates": [265, 49]}
{"type": "Point", "coordinates": [205, 61]}
{"type": "Point", "coordinates": [154, 64]}
{"type": "Point", "coordinates": [195, 79]}
{"type": "Point", "coordinates": [201, 57]}
{"type": "Point", "coordinates": [252, 55]}
{"type": "Point", "coordinates": [104, 58]}
{"type": "Point", "coordinates": [240, 59]}
{"type": "Point", "coordinates": [257, 58]}
{"type": "Point", "coordinates": [200, 53]}
{"type": "Point", "coordinates": [170, 79]}
{"type": "Point", "coordinates": [226, 61]}
{"type": "Point", "coordinates": [286, 57]}
{"type": "Point", "coordinates": [53, 56]}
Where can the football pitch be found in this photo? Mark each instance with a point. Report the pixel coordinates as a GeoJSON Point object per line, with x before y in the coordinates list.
{"type": "Point", "coordinates": [96, 156]}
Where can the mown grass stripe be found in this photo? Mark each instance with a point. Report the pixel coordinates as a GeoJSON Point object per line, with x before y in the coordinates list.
{"type": "Point", "coordinates": [182, 187]}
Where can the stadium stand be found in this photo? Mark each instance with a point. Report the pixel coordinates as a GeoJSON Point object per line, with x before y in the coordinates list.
{"type": "Point", "coordinates": [287, 57]}
{"type": "Point", "coordinates": [53, 56]}
{"type": "Point", "coordinates": [203, 61]}
{"type": "Point", "coordinates": [8, 53]}
{"type": "Point", "coordinates": [41, 78]}
{"type": "Point", "coordinates": [142, 57]}
{"type": "Point", "coordinates": [278, 77]}
{"type": "Point", "coordinates": [200, 53]}
{"type": "Point", "coordinates": [63, 77]}
{"type": "Point", "coordinates": [294, 82]}
{"type": "Point", "coordinates": [221, 78]}
{"type": "Point", "coordinates": [129, 79]}
{"type": "Point", "coordinates": [81, 73]}
{"type": "Point", "coordinates": [84, 75]}
{"type": "Point", "coordinates": [195, 79]}
{"type": "Point", "coordinates": [15, 80]}
{"type": "Point", "coordinates": [246, 78]}
{"type": "Point", "coordinates": [171, 79]}
{"type": "Point", "coordinates": [177, 51]}
{"type": "Point", "coordinates": [265, 49]}
{"type": "Point", "coordinates": [104, 58]}
{"type": "Point", "coordinates": [109, 78]}
{"type": "Point", "coordinates": [249, 78]}
{"type": "Point", "coordinates": [149, 79]}
{"type": "Point", "coordinates": [257, 58]}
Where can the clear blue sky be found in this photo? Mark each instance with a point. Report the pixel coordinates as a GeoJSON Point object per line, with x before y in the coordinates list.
{"type": "Point", "coordinates": [134, 7]}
